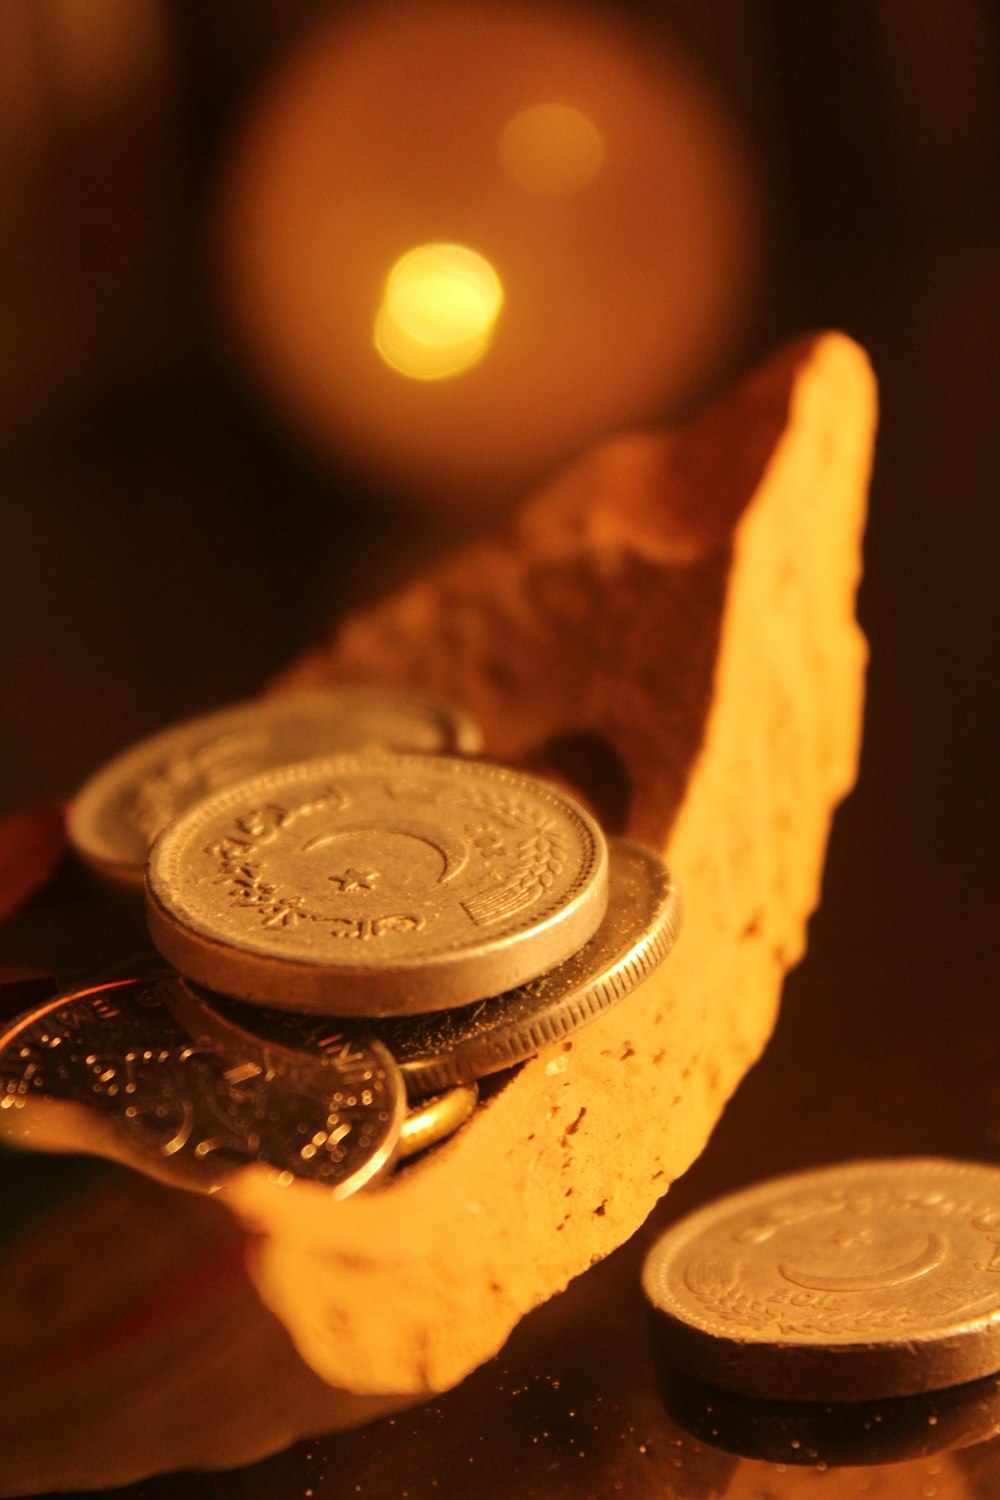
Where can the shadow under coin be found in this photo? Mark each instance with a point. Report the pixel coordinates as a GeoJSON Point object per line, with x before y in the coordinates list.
{"type": "Point", "coordinates": [834, 1434]}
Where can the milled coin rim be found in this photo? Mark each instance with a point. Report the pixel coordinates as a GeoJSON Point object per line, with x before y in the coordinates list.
{"type": "Point", "coordinates": [607, 979]}
{"type": "Point", "coordinates": [728, 1355]}
{"type": "Point", "coordinates": [448, 976]}
{"type": "Point", "coordinates": [107, 784]}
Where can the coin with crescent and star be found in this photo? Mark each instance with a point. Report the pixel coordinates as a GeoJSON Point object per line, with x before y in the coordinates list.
{"type": "Point", "coordinates": [847, 1283]}
{"type": "Point", "coordinates": [376, 884]}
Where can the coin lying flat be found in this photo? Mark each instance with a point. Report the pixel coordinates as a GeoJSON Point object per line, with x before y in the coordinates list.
{"type": "Point", "coordinates": [850, 1283]}
{"type": "Point", "coordinates": [119, 811]}
{"type": "Point", "coordinates": [376, 885]}
{"type": "Point", "coordinates": [146, 1083]}
{"type": "Point", "coordinates": [440, 1049]}
{"type": "Point", "coordinates": [640, 927]}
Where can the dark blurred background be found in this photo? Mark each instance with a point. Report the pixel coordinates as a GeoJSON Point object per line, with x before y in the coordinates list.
{"type": "Point", "coordinates": [171, 533]}
{"type": "Point", "coordinates": [187, 502]}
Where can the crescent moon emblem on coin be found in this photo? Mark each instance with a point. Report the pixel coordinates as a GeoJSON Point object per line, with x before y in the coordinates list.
{"type": "Point", "coordinates": [453, 853]}
{"type": "Point", "coordinates": [930, 1256]}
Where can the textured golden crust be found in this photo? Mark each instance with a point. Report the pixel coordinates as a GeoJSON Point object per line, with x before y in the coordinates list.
{"type": "Point", "coordinates": [681, 608]}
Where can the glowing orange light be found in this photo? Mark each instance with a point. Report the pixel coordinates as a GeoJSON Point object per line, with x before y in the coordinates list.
{"type": "Point", "coordinates": [551, 150]}
{"type": "Point", "coordinates": [594, 168]}
{"type": "Point", "coordinates": [438, 311]}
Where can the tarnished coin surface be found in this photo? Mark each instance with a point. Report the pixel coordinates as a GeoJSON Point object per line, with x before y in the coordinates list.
{"type": "Point", "coordinates": [119, 811]}
{"type": "Point", "coordinates": [640, 927]}
{"type": "Point", "coordinates": [376, 885]}
{"type": "Point", "coordinates": [127, 1070]}
{"type": "Point", "coordinates": [849, 1283]}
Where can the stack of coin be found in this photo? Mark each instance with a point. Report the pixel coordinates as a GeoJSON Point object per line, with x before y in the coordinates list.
{"type": "Point", "coordinates": [120, 810]}
{"type": "Point", "coordinates": [356, 940]}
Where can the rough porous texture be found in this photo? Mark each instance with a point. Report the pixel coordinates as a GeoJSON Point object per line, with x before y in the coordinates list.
{"type": "Point", "coordinates": [669, 627]}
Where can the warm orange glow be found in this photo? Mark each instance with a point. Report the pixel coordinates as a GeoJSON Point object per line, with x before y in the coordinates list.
{"type": "Point", "coordinates": [551, 150]}
{"type": "Point", "coordinates": [438, 311]}
{"type": "Point", "coordinates": [596, 171]}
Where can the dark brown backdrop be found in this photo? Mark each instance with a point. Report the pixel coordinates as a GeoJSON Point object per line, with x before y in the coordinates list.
{"type": "Point", "coordinates": [140, 486]}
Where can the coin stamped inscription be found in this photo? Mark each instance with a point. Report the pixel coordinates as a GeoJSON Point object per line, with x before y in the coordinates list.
{"type": "Point", "coordinates": [847, 1283]}
{"type": "Point", "coordinates": [377, 865]}
{"type": "Point", "coordinates": [191, 772]}
{"type": "Point", "coordinates": [821, 1295]}
{"type": "Point", "coordinates": [171, 1093]}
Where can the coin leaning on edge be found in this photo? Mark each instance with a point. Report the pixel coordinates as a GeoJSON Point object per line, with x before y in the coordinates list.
{"type": "Point", "coordinates": [128, 1070]}
{"type": "Point", "coordinates": [853, 1282]}
{"type": "Point", "coordinates": [376, 884]}
{"type": "Point", "coordinates": [117, 813]}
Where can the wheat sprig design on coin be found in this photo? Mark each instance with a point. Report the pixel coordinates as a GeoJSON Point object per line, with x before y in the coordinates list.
{"type": "Point", "coordinates": [542, 855]}
{"type": "Point", "coordinates": [830, 1317]}
{"type": "Point", "coordinates": [716, 1284]}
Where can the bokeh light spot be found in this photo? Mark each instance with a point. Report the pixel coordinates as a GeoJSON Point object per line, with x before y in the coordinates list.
{"type": "Point", "coordinates": [551, 150]}
{"type": "Point", "coordinates": [439, 308]}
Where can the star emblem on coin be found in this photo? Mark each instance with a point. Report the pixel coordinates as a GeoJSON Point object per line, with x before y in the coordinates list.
{"type": "Point", "coordinates": [845, 1238]}
{"type": "Point", "coordinates": [876, 1279]}
{"type": "Point", "coordinates": [376, 884]}
{"type": "Point", "coordinates": [354, 880]}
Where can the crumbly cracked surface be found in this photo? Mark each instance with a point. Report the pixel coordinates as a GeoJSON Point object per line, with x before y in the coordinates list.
{"type": "Point", "coordinates": [676, 611]}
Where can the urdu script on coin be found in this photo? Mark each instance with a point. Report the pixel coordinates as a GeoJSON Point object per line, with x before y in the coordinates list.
{"type": "Point", "coordinates": [376, 884]}
{"type": "Point", "coordinates": [849, 1282]}
{"type": "Point", "coordinates": [115, 816]}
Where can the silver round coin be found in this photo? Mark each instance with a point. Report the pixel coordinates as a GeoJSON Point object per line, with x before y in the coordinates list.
{"type": "Point", "coordinates": [848, 1283]}
{"type": "Point", "coordinates": [376, 885]}
{"type": "Point", "coordinates": [428, 1121]}
{"type": "Point", "coordinates": [639, 928]}
{"type": "Point", "coordinates": [119, 811]}
{"type": "Point", "coordinates": [129, 1070]}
